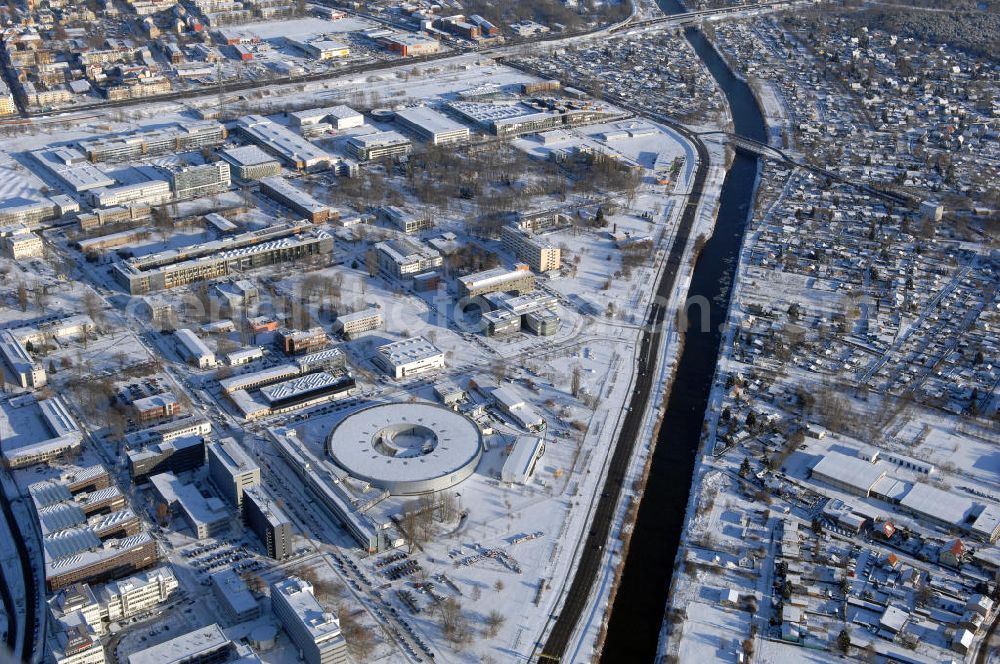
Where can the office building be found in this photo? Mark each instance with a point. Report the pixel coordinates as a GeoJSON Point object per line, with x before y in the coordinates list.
{"type": "Point", "coordinates": [124, 598]}
{"type": "Point", "coordinates": [231, 592]}
{"type": "Point", "coordinates": [251, 163]}
{"type": "Point", "coordinates": [314, 631]}
{"type": "Point", "coordinates": [24, 371]}
{"type": "Point", "coordinates": [21, 243]}
{"type": "Point", "coordinates": [404, 219]}
{"type": "Point", "coordinates": [207, 517]}
{"type": "Point", "coordinates": [295, 342]}
{"type": "Point", "coordinates": [269, 522]}
{"type": "Point", "coordinates": [232, 470]}
{"type": "Point", "coordinates": [403, 258]}
{"type": "Point", "coordinates": [176, 456]}
{"type": "Point", "coordinates": [150, 192]}
{"type": "Point", "coordinates": [410, 357]}
{"type": "Point", "coordinates": [64, 434]}
{"type": "Point", "coordinates": [544, 322]}
{"type": "Point", "coordinates": [497, 280]}
{"type": "Point", "coordinates": [377, 145]}
{"type": "Point", "coordinates": [79, 556]}
{"type": "Point", "coordinates": [204, 180]}
{"type": "Point", "coordinates": [156, 407]}
{"type": "Point", "coordinates": [205, 645]}
{"type": "Point", "coordinates": [540, 254]}
{"type": "Point", "coordinates": [220, 258]}
{"type": "Point", "coordinates": [298, 201]}
{"type": "Point", "coordinates": [354, 325]}
{"type": "Point", "coordinates": [432, 126]}
{"type": "Point", "coordinates": [169, 140]}
{"type": "Point", "coordinates": [31, 214]}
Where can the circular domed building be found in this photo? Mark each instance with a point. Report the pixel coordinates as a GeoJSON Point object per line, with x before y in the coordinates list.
{"type": "Point", "coordinates": [407, 448]}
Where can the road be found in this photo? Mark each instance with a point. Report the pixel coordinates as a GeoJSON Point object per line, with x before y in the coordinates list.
{"type": "Point", "coordinates": [592, 554]}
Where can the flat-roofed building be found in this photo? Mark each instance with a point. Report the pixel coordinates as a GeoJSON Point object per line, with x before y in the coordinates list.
{"type": "Point", "coordinates": [204, 180]}
{"type": "Point", "coordinates": [411, 45]}
{"type": "Point", "coordinates": [205, 645]}
{"type": "Point", "coordinates": [234, 596]}
{"type": "Point", "coordinates": [156, 407]}
{"type": "Point", "coordinates": [23, 244]}
{"type": "Point", "coordinates": [410, 357]}
{"type": "Point", "coordinates": [221, 258]}
{"type": "Point", "coordinates": [296, 342]}
{"type": "Point", "coordinates": [232, 470]}
{"type": "Point", "coordinates": [540, 254]}
{"type": "Point", "coordinates": [404, 219]}
{"type": "Point", "coordinates": [284, 143]}
{"type": "Point", "coordinates": [24, 371]}
{"type": "Point", "coordinates": [207, 517]}
{"type": "Point", "coordinates": [315, 631]}
{"type": "Point", "coordinates": [70, 166]}
{"type": "Point", "coordinates": [269, 522]}
{"type": "Point", "coordinates": [355, 324]}
{"type": "Point", "coordinates": [85, 558]}
{"type": "Point", "coordinates": [377, 145]}
{"type": "Point", "coordinates": [135, 594]}
{"type": "Point", "coordinates": [497, 280]}
{"type": "Point", "coordinates": [403, 258]}
{"type": "Point", "coordinates": [178, 456]}
{"type": "Point", "coordinates": [180, 138]}
{"type": "Point", "coordinates": [848, 473]}
{"type": "Point", "coordinates": [432, 126]}
{"type": "Point", "coordinates": [299, 201]}
{"type": "Point", "coordinates": [512, 404]}
{"type": "Point", "coordinates": [251, 163]}
{"type": "Point", "coordinates": [150, 192]}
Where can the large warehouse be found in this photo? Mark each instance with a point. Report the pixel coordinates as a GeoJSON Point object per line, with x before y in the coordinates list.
{"type": "Point", "coordinates": [407, 448]}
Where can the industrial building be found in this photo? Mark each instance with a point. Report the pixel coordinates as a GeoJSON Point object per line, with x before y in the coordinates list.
{"type": "Point", "coordinates": [251, 163]}
{"type": "Point", "coordinates": [289, 195]}
{"type": "Point", "coordinates": [523, 459]}
{"type": "Point", "coordinates": [205, 180]}
{"type": "Point", "coordinates": [497, 280]}
{"type": "Point", "coordinates": [282, 142]}
{"type": "Point", "coordinates": [382, 444]}
{"type": "Point", "coordinates": [315, 631]}
{"type": "Point", "coordinates": [320, 49]}
{"type": "Point", "coordinates": [514, 406]}
{"type": "Point", "coordinates": [177, 267]}
{"type": "Point", "coordinates": [403, 258]}
{"type": "Point", "coordinates": [194, 349]}
{"type": "Point", "coordinates": [410, 45]}
{"type": "Point", "coordinates": [190, 136]}
{"type": "Point", "coordinates": [207, 517]}
{"type": "Point", "coordinates": [72, 169]}
{"type": "Point", "coordinates": [540, 254]}
{"type": "Point", "coordinates": [175, 456]}
{"type": "Point", "coordinates": [432, 126]}
{"type": "Point", "coordinates": [849, 473]}
{"type": "Point", "coordinates": [269, 522]}
{"type": "Point", "coordinates": [377, 145]}
{"type": "Point", "coordinates": [410, 357]}
{"type": "Point", "coordinates": [339, 117]}
{"type": "Point", "coordinates": [355, 324]}
{"type": "Point", "coordinates": [231, 470]}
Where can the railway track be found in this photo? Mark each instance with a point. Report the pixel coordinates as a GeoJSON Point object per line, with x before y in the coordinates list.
{"type": "Point", "coordinates": [592, 553]}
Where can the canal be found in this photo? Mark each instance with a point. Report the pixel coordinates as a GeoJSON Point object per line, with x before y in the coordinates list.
{"type": "Point", "coordinates": [638, 611]}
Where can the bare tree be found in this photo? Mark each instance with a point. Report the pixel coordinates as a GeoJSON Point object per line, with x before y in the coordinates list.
{"type": "Point", "coordinates": [494, 621]}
